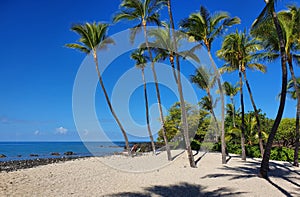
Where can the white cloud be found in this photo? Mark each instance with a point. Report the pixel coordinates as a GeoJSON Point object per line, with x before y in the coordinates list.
{"type": "Point", "coordinates": [61, 130]}
{"type": "Point", "coordinates": [37, 132]}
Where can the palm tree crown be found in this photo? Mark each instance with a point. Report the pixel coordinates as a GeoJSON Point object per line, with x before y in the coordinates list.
{"type": "Point", "coordinates": [92, 37]}
{"type": "Point", "coordinates": [143, 11]}
{"type": "Point", "coordinates": [204, 27]}
{"type": "Point", "coordinates": [238, 52]}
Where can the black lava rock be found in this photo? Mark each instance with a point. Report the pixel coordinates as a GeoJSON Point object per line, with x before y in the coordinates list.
{"type": "Point", "coordinates": [2, 156]}
{"type": "Point", "coordinates": [69, 153]}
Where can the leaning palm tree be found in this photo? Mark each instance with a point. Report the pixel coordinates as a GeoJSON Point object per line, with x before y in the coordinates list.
{"type": "Point", "coordinates": [145, 11]}
{"type": "Point", "coordinates": [141, 62]}
{"type": "Point", "coordinates": [167, 47]}
{"type": "Point", "coordinates": [183, 110]}
{"type": "Point", "coordinates": [231, 91]}
{"type": "Point", "coordinates": [292, 91]}
{"type": "Point", "coordinates": [290, 22]}
{"type": "Point", "coordinates": [204, 81]}
{"type": "Point", "coordinates": [269, 12]}
{"type": "Point", "coordinates": [204, 27]}
{"type": "Point", "coordinates": [93, 37]}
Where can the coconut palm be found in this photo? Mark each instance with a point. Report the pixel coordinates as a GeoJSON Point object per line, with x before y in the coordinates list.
{"type": "Point", "coordinates": [145, 11]}
{"type": "Point", "coordinates": [237, 50]}
{"type": "Point", "coordinates": [141, 62]}
{"type": "Point", "coordinates": [94, 37]}
{"type": "Point", "coordinates": [167, 47]}
{"type": "Point", "coordinates": [231, 91]}
{"type": "Point", "coordinates": [269, 12]}
{"type": "Point", "coordinates": [292, 91]}
{"type": "Point", "coordinates": [205, 82]}
{"type": "Point", "coordinates": [290, 22]}
{"type": "Point", "coordinates": [204, 27]}
{"type": "Point", "coordinates": [183, 110]}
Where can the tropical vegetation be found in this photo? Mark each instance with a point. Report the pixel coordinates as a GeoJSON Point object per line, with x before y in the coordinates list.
{"type": "Point", "coordinates": [272, 37]}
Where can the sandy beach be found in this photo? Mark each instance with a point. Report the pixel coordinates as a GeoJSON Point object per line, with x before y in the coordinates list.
{"type": "Point", "coordinates": [149, 175]}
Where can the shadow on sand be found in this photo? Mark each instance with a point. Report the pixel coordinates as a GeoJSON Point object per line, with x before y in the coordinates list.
{"type": "Point", "coordinates": [179, 190]}
{"type": "Point", "coordinates": [251, 169]}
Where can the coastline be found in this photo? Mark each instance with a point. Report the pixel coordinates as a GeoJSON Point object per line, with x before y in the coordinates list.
{"type": "Point", "coordinates": [18, 163]}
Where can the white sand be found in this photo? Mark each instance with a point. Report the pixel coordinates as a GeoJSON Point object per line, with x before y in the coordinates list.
{"type": "Point", "coordinates": [145, 176]}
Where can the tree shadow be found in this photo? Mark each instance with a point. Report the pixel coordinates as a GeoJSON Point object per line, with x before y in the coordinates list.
{"type": "Point", "coordinates": [179, 190]}
{"type": "Point", "coordinates": [174, 157]}
{"type": "Point", "coordinates": [251, 169]}
{"type": "Point", "coordinates": [196, 161]}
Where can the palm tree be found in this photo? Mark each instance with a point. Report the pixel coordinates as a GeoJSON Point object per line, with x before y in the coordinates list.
{"type": "Point", "coordinates": [141, 62]}
{"type": "Point", "coordinates": [239, 50]}
{"type": "Point", "coordinates": [93, 37]}
{"type": "Point", "coordinates": [145, 11]}
{"type": "Point", "coordinates": [231, 91]}
{"type": "Point", "coordinates": [166, 47]}
{"type": "Point", "coordinates": [205, 28]}
{"type": "Point", "coordinates": [203, 80]}
{"type": "Point", "coordinates": [269, 12]}
{"type": "Point", "coordinates": [292, 91]}
{"type": "Point", "coordinates": [182, 103]}
{"type": "Point", "coordinates": [290, 21]}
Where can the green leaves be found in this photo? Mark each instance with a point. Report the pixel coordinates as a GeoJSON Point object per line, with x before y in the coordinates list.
{"type": "Point", "coordinates": [205, 27]}
{"type": "Point", "coordinates": [92, 37]}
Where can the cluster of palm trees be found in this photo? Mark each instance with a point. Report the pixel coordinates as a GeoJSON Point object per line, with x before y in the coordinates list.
{"type": "Point", "coordinates": [273, 35]}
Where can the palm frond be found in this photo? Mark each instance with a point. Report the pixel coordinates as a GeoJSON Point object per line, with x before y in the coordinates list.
{"type": "Point", "coordinates": [79, 47]}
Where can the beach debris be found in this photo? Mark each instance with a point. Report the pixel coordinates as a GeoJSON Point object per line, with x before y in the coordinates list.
{"type": "Point", "coordinates": [55, 154]}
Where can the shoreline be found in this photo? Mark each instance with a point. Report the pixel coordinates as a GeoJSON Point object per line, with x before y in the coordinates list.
{"type": "Point", "coordinates": [31, 162]}
{"type": "Point", "coordinates": [14, 165]}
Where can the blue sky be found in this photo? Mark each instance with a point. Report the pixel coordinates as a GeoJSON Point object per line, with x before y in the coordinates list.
{"type": "Point", "coordinates": [38, 72]}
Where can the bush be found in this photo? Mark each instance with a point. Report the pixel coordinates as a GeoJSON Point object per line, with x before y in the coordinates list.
{"type": "Point", "coordinates": [195, 145]}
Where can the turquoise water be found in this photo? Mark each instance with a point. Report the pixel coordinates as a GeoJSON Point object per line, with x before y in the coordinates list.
{"type": "Point", "coordinates": [22, 150]}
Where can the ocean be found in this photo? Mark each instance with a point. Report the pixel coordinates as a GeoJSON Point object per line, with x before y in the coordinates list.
{"type": "Point", "coordinates": [23, 150]}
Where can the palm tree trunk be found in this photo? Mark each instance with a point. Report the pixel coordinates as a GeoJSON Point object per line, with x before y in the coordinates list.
{"type": "Point", "coordinates": [243, 117]}
{"type": "Point", "coordinates": [296, 151]}
{"type": "Point", "coordinates": [171, 58]}
{"type": "Point", "coordinates": [296, 162]}
{"type": "Point", "coordinates": [213, 112]}
{"type": "Point", "coordinates": [182, 102]}
{"type": "Point", "coordinates": [157, 93]}
{"type": "Point", "coordinates": [110, 105]}
{"type": "Point", "coordinates": [265, 161]}
{"type": "Point", "coordinates": [233, 113]}
{"type": "Point", "coordinates": [147, 112]}
{"type": "Point", "coordinates": [261, 146]}
{"type": "Point", "coordinates": [223, 143]}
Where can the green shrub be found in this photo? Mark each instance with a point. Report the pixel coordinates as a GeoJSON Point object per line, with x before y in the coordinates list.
{"type": "Point", "coordinates": [195, 145]}
{"type": "Point", "coordinates": [207, 146]}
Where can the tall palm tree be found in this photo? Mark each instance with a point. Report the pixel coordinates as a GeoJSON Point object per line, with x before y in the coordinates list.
{"type": "Point", "coordinates": [141, 62]}
{"type": "Point", "coordinates": [167, 47]}
{"type": "Point", "coordinates": [290, 22]}
{"type": "Point", "coordinates": [205, 28]}
{"type": "Point", "coordinates": [94, 37]}
{"type": "Point", "coordinates": [238, 50]}
{"type": "Point", "coordinates": [231, 91]}
{"type": "Point", "coordinates": [182, 105]}
{"type": "Point", "coordinates": [145, 11]}
{"type": "Point", "coordinates": [269, 12]}
{"type": "Point", "coordinates": [292, 91]}
{"type": "Point", "coordinates": [205, 82]}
